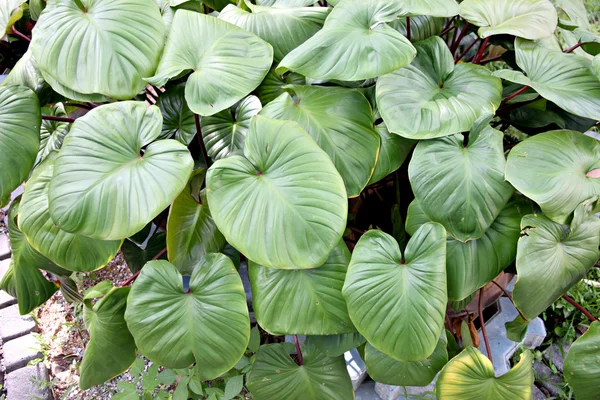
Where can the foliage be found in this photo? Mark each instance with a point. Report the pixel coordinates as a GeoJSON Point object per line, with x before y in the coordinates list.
{"type": "Point", "coordinates": [370, 161]}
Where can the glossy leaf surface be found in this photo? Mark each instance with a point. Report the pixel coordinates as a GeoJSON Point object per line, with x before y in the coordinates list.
{"type": "Point", "coordinates": [582, 369]}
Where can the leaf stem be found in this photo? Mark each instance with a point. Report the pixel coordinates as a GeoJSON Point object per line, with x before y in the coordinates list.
{"type": "Point", "coordinates": [357, 231]}
{"type": "Point", "coordinates": [134, 276]}
{"type": "Point", "coordinates": [61, 119]}
{"type": "Point", "coordinates": [448, 27]}
{"type": "Point", "coordinates": [456, 43]}
{"type": "Point", "coordinates": [482, 324]}
{"type": "Point", "coordinates": [464, 53]}
{"type": "Point", "coordinates": [515, 94]}
{"type": "Point", "coordinates": [573, 48]}
{"type": "Point", "coordinates": [488, 60]}
{"type": "Point", "coordinates": [201, 142]}
{"type": "Point", "coordinates": [298, 350]}
{"type": "Point", "coordinates": [479, 54]}
{"type": "Point", "coordinates": [19, 34]}
{"type": "Point", "coordinates": [408, 28]}
{"type": "Point", "coordinates": [580, 308]}
{"type": "Point", "coordinates": [510, 298]}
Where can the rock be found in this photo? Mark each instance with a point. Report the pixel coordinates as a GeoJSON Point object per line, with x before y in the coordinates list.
{"type": "Point", "coordinates": [28, 383]}
{"type": "Point", "coordinates": [538, 394]}
{"type": "Point", "coordinates": [18, 352]}
{"type": "Point", "coordinates": [389, 392]}
{"type": "Point", "coordinates": [366, 391]}
{"type": "Point", "coordinates": [545, 378]}
{"type": "Point", "coordinates": [246, 281]}
{"type": "Point", "coordinates": [356, 368]}
{"type": "Point", "coordinates": [6, 300]}
{"type": "Point", "coordinates": [13, 325]}
{"type": "Point", "coordinates": [4, 247]}
{"type": "Point", "coordinates": [554, 356]}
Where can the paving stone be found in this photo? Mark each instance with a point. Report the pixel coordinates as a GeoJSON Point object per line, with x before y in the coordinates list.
{"type": "Point", "coordinates": [14, 325]}
{"type": "Point", "coordinates": [6, 300]}
{"type": "Point", "coordinates": [25, 383]}
{"type": "Point", "coordinates": [4, 247]}
{"type": "Point", "coordinates": [554, 355]}
{"type": "Point", "coordinates": [366, 391]}
{"type": "Point", "coordinates": [356, 368]}
{"type": "Point", "coordinates": [389, 392]}
{"type": "Point", "coordinates": [545, 378]}
{"type": "Point", "coordinates": [18, 352]}
{"type": "Point", "coordinates": [246, 281]}
{"type": "Point", "coordinates": [4, 264]}
{"type": "Point", "coordinates": [538, 394]}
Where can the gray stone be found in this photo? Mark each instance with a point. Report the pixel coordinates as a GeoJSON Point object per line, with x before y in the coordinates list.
{"type": "Point", "coordinates": [28, 383]}
{"type": "Point", "coordinates": [366, 391]}
{"type": "Point", "coordinates": [4, 247]}
{"type": "Point", "coordinates": [18, 352]}
{"type": "Point", "coordinates": [356, 368]}
{"type": "Point", "coordinates": [545, 378]}
{"type": "Point", "coordinates": [389, 392]}
{"type": "Point", "coordinates": [538, 394]}
{"type": "Point", "coordinates": [554, 355]}
{"type": "Point", "coordinates": [13, 325]}
{"type": "Point", "coordinates": [246, 281]}
{"type": "Point", "coordinates": [6, 299]}
{"type": "Point", "coordinates": [4, 264]}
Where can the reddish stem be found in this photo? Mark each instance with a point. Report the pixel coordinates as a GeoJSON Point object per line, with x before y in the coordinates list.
{"type": "Point", "coordinates": [298, 350]}
{"type": "Point", "coordinates": [464, 53]}
{"type": "Point", "coordinates": [448, 27]}
{"type": "Point", "coordinates": [488, 60]}
{"type": "Point", "coordinates": [19, 34]}
{"type": "Point", "coordinates": [134, 276]}
{"type": "Point", "coordinates": [578, 45]}
{"type": "Point", "coordinates": [61, 119]}
{"type": "Point", "coordinates": [358, 231]}
{"type": "Point", "coordinates": [580, 308]}
{"type": "Point", "coordinates": [456, 43]}
{"type": "Point", "coordinates": [479, 54]}
{"type": "Point", "coordinates": [515, 94]}
{"type": "Point", "coordinates": [482, 323]}
{"type": "Point", "coordinates": [510, 298]}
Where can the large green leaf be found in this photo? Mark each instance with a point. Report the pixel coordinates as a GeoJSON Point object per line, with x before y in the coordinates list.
{"type": "Point", "coordinates": [355, 43]}
{"type": "Point", "coordinates": [136, 256]}
{"type": "Point", "coordinates": [52, 133]}
{"type": "Point", "coordinates": [340, 121]}
{"type": "Point", "coordinates": [529, 19]}
{"type": "Point", "coordinates": [552, 257]}
{"type": "Point", "coordinates": [394, 150]}
{"type": "Point", "coordinates": [398, 302]}
{"type": "Point", "coordinates": [385, 369]}
{"type": "Point", "coordinates": [432, 97]}
{"type": "Point", "coordinates": [178, 119]}
{"type": "Point", "coordinates": [228, 62]}
{"type": "Point", "coordinates": [19, 136]}
{"type": "Point", "coordinates": [582, 369]}
{"type": "Point", "coordinates": [302, 301]}
{"type": "Point", "coordinates": [285, 3]}
{"type": "Point", "coordinates": [106, 47]}
{"type": "Point", "coordinates": [461, 187]}
{"type": "Point", "coordinates": [208, 325]}
{"type": "Point", "coordinates": [282, 204]}
{"type": "Point", "coordinates": [275, 375]}
{"type": "Point", "coordinates": [473, 264]}
{"type": "Point", "coordinates": [436, 8]}
{"type": "Point", "coordinates": [555, 169]}
{"type": "Point", "coordinates": [272, 86]}
{"type": "Point", "coordinates": [111, 349]}
{"type": "Point", "coordinates": [283, 28]}
{"type": "Point", "coordinates": [104, 186]}
{"type": "Point", "coordinates": [470, 375]}
{"type": "Point", "coordinates": [26, 73]}
{"type": "Point", "coordinates": [335, 345]}
{"type": "Point", "coordinates": [225, 131]}
{"type": "Point", "coordinates": [70, 251]}
{"type": "Point", "coordinates": [191, 230]}
{"type": "Point", "coordinates": [564, 79]}
{"type": "Point", "coordinates": [421, 26]}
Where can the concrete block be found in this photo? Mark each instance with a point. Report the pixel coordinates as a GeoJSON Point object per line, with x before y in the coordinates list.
{"type": "Point", "coordinates": [356, 368]}
{"type": "Point", "coordinates": [366, 391]}
{"type": "Point", "coordinates": [545, 378]}
{"type": "Point", "coordinates": [18, 352]}
{"type": "Point", "coordinates": [13, 325]}
{"type": "Point", "coordinates": [389, 392]}
{"type": "Point", "coordinates": [6, 300]}
{"type": "Point", "coordinates": [554, 355]}
{"type": "Point", "coordinates": [538, 394]}
{"type": "Point", "coordinates": [27, 383]}
{"type": "Point", "coordinates": [4, 246]}
{"type": "Point", "coordinates": [4, 264]}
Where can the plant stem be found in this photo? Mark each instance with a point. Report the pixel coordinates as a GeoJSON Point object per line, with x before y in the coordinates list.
{"type": "Point", "coordinates": [479, 54]}
{"type": "Point", "coordinates": [580, 308]}
{"type": "Point", "coordinates": [298, 350]}
{"type": "Point", "coordinates": [61, 119]}
{"type": "Point", "coordinates": [355, 230]}
{"type": "Point", "coordinates": [464, 53]}
{"type": "Point", "coordinates": [408, 28]}
{"type": "Point", "coordinates": [134, 276]}
{"type": "Point", "coordinates": [488, 60]}
{"type": "Point", "coordinates": [19, 34]}
{"type": "Point", "coordinates": [201, 142]}
{"type": "Point", "coordinates": [510, 298]}
{"type": "Point", "coordinates": [573, 48]}
{"type": "Point", "coordinates": [515, 94]}
{"type": "Point", "coordinates": [456, 43]}
{"type": "Point", "coordinates": [448, 27]}
{"type": "Point", "coordinates": [482, 323]}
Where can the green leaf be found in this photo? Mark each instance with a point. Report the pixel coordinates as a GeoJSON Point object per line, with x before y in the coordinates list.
{"type": "Point", "coordinates": [228, 62]}
{"type": "Point", "coordinates": [470, 375]}
{"type": "Point", "coordinates": [556, 170]}
{"type": "Point", "coordinates": [178, 119]}
{"type": "Point", "coordinates": [516, 329]}
{"type": "Point", "coordinates": [100, 289]}
{"type": "Point", "coordinates": [26, 73]}
{"type": "Point", "coordinates": [335, 345]}
{"type": "Point", "coordinates": [283, 28]}
{"type": "Point", "coordinates": [111, 349]}
{"type": "Point", "coordinates": [10, 12]}
{"type": "Point", "coordinates": [274, 375]}
{"type": "Point", "coordinates": [432, 97]}
{"type": "Point", "coordinates": [398, 303]}
{"type": "Point", "coordinates": [421, 26]}
{"type": "Point", "coordinates": [461, 187]}
{"type": "Point", "coordinates": [19, 136]}
{"type": "Point", "coordinates": [52, 133]}
{"type": "Point", "coordinates": [465, 333]}
{"type": "Point", "coordinates": [473, 264]}
{"type": "Point", "coordinates": [302, 301]}
{"type": "Point", "coordinates": [285, 3]}
{"type": "Point", "coordinates": [208, 325]}
{"type": "Point", "coordinates": [69, 290]}
{"type": "Point", "coordinates": [136, 257]}
{"type": "Point", "coordinates": [340, 121]}
{"type": "Point", "coordinates": [355, 43]}
{"type": "Point", "coordinates": [234, 386]}
{"type": "Point", "coordinates": [384, 369]}
{"type": "Point", "coordinates": [103, 185]}
{"type": "Point", "coordinates": [191, 231]}
{"type": "Point", "coordinates": [35, 8]}
{"type": "Point", "coordinates": [225, 131]}
{"type": "Point", "coordinates": [436, 8]}
{"type": "Point", "coordinates": [564, 79]}
{"type": "Point", "coordinates": [552, 257]}
{"type": "Point", "coordinates": [167, 377]}
{"type": "Point", "coordinates": [71, 251]}
{"type": "Point", "coordinates": [582, 369]}
{"type": "Point", "coordinates": [120, 41]}
{"type": "Point", "coordinates": [182, 392]}
{"type": "Point", "coordinates": [254, 343]}
{"type": "Point", "coordinates": [271, 87]}
{"type": "Point", "coordinates": [282, 204]}
{"type": "Point", "coordinates": [394, 150]}
{"type": "Point", "coordinates": [529, 19]}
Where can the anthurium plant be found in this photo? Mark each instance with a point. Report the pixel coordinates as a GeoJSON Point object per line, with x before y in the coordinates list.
{"type": "Point", "coordinates": [373, 163]}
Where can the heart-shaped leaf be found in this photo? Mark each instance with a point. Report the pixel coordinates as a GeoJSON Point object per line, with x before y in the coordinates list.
{"type": "Point", "coordinates": [99, 46]}
{"type": "Point", "coordinates": [19, 136]}
{"type": "Point", "coordinates": [355, 43]}
{"type": "Point", "coordinates": [10, 12]}
{"type": "Point", "coordinates": [529, 19]}
{"type": "Point", "coordinates": [283, 28]}
{"type": "Point", "coordinates": [282, 204]}
{"type": "Point", "coordinates": [70, 251]}
{"type": "Point", "coordinates": [461, 187]}
{"type": "Point", "coordinates": [335, 345]}
{"type": "Point", "coordinates": [421, 26]}
{"type": "Point", "coordinates": [52, 133]}
{"type": "Point", "coordinates": [271, 86]}
{"type": "Point", "coordinates": [103, 185]}
{"type": "Point", "coordinates": [582, 369]}
{"type": "Point", "coordinates": [307, 301]}
{"type": "Point", "coordinates": [26, 73]}
{"type": "Point", "coordinates": [228, 62]}
{"type": "Point", "coordinates": [564, 79]}
{"type": "Point", "coordinates": [385, 369]}
{"type": "Point", "coordinates": [552, 257]}
{"type": "Point", "coordinates": [208, 325]}
{"type": "Point", "coordinates": [556, 170]}
{"type": "Point", "coordinates": [394, 150]}
{"type": "Point", "coordinates": [470, 375]}
{"type": "Point", "coordinates": [274, 375]}
{"type": "Point", "coordinates": [341, 122]}
{"type": "Point", "coordinates": [178, 119]}
{"type": "Point", "coordinates": [225, 131]}
{"type": "Point", "coordinates": [111, 349]}
{"type": "Point", "coordinates": [398, 303]}
{"type": "Point", "coordinates": [432, 97]}
{"type": "Point", "coordinates": [473, 264]}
